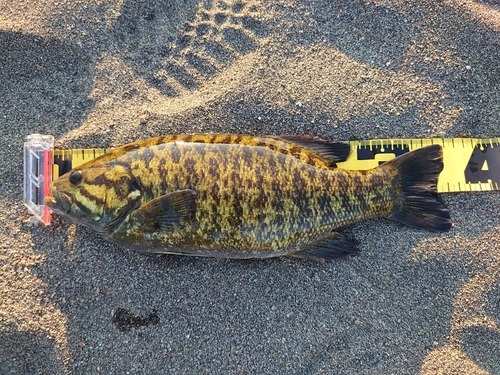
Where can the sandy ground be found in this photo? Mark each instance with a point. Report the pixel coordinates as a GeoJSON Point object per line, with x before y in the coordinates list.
{"type": "Point", "coordinates": [102, 73]}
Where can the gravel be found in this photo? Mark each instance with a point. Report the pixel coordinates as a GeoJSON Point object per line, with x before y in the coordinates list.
{"type": "Point", "coordinates": [103, 73]}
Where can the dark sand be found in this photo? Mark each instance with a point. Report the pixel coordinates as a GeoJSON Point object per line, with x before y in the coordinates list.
{"type": "Point", "coordinates": [103, 73]}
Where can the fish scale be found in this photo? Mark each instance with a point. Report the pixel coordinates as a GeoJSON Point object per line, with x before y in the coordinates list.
{"type": "Point", "coordinates": [239, 196]}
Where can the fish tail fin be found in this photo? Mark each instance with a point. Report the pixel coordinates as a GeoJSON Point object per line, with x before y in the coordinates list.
{"type": "Point", "coordinates": [416, 201]}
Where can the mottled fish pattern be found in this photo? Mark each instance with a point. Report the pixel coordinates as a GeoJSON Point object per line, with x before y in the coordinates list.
{"type": "Point", "coordinates": [238, 196]}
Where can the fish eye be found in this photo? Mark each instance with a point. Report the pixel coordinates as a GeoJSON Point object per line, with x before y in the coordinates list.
{"type": "Point", "coordinates": [75, 177]}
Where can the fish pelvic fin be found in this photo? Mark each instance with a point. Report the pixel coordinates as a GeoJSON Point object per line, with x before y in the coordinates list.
{"type": "Point", "coordinates": [333, 246]}
{"type": "Point", "coordinates": [416, 202]}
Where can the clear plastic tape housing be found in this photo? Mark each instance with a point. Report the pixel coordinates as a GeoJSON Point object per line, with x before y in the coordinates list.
{"type": "Point", "coordinates": [38, 151]}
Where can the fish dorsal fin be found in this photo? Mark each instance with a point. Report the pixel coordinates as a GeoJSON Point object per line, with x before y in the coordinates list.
{"type": "Point", "coordinates": [331, 152]}
{"type": "Point", "coordinates": [311, 150]}
{"type": "Point", "coordinates": [167, 212]}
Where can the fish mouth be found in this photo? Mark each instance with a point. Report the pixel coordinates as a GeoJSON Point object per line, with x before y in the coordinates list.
{"type": "Point", "coordinates": [60, 201]}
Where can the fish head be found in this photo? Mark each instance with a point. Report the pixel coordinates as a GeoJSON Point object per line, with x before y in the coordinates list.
{"type": "Point", "coordinates": [99, 197]}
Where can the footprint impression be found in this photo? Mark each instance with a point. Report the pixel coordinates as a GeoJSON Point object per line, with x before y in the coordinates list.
{"type": "Point", "coordinates": [178, 47]}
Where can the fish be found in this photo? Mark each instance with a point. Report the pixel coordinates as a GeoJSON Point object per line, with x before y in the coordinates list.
{"type": "Point", "coordinates": [243, 196]}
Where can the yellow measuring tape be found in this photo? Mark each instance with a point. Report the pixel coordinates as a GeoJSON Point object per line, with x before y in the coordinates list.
{"type": "Point", "coordinates": [470, 164]}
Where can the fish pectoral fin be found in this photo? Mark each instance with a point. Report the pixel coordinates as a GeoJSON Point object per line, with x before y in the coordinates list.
{"type": "Point", "coordinates": [334, 246]}
{"type": "Point", "coordinates": [166, 212]}
{"type": "Point", "coordinates": [331, 152]}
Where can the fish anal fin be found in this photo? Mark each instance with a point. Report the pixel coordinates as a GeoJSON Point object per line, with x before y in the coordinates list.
{"type": "Point", "coordinates": [334, 246]}
{"type": "Point", "coordinates": [166, 212]}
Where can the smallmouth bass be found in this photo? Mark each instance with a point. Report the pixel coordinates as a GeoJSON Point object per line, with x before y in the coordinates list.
{"type": "Point", "coordinates": [239, 196]}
